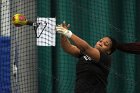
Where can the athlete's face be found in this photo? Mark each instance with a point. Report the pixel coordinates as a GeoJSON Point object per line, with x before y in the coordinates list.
{"type": "Point", "coordinates": [104, 45]}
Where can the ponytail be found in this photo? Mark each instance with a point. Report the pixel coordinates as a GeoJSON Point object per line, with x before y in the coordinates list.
{"type": "Point", "coordinates": [133, 48]}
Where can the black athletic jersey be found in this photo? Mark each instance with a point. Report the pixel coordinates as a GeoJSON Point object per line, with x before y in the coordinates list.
{"type": "Point", "coordinates": [91, 74]}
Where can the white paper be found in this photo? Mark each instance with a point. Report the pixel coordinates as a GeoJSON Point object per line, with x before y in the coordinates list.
{"type": "Point", "coordinates": [47, 37]}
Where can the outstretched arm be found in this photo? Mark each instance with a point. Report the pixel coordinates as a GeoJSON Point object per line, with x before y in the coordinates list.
{"type": "Point", "coordinates": [68, 47]}
{"type": "Point", "coordinates": [80, 43]}
{"type": "Point", "coordinates": [86, 48]}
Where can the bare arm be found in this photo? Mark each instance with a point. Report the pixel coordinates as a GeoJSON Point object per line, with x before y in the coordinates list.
{"type": "Point", "coordinates": [80, 44]}
{"type": "Point", "coordinates": [68, 47]}
{"type": "Point", "coordinates": [85, 47]}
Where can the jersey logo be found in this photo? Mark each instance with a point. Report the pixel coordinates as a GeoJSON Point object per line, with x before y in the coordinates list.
{"type": "Point", "coordinates": [87, 58]}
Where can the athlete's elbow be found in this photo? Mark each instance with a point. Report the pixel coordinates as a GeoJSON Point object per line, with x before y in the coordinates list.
{"type": "Point", "coordinates": [84, 48]}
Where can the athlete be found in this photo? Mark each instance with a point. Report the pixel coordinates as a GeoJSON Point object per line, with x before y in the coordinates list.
{"type": "Point", "coordinates": [94, 62]}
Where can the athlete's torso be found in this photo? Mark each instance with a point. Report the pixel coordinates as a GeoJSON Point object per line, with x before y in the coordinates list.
{"type": "Point", "coordinates": [92, 71]}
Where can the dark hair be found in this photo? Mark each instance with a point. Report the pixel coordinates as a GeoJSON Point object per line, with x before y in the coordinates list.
{"type": "Point", "coordinates": [133, 48]}
{"type": "Point", "coordinates": [114, 44]}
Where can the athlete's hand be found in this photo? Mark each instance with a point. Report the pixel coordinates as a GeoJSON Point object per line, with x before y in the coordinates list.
{"type": "Point", "coordinates": [63, 29]}
{"type": "Point", "coordinates": [65, 25]}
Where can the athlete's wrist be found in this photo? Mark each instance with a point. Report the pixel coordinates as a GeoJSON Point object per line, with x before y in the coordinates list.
{"type": "Point", "coordinates": [68, 34]}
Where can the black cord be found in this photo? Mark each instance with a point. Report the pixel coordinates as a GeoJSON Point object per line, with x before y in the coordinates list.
{"type": "Point", "coordinates": [36, 25]}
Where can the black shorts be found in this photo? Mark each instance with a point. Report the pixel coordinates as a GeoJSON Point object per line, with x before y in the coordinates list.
{"type": "Point", "coordinates": [83, 86]}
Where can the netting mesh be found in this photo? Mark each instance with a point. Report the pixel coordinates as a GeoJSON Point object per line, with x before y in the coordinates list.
{"type": "Point", "coordinates": [48, 69]}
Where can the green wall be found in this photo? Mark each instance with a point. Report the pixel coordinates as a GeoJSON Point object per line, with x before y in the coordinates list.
{"type": "Point", "coordinates": [90, 20]}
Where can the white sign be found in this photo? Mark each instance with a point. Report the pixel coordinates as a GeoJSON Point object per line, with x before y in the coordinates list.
{"type": "Point", "coordinates": [46, 31]}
